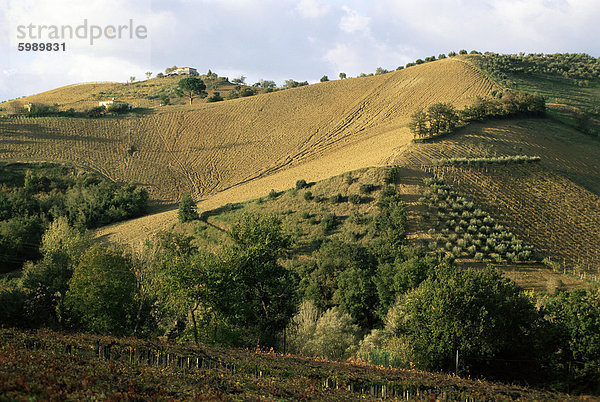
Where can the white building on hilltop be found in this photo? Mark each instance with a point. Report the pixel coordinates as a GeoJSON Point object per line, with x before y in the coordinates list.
{"type": "Point", "coordinates": [186, 71]}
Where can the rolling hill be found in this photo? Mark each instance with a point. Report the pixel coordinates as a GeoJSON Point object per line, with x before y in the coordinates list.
{"type": "Point", "coordinates": [206, 148]}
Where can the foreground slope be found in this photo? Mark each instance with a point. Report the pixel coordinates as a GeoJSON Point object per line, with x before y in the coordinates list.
{"type": "Point", "coordinates": [206, 148]}
{"type": "Point", "coordinates": [93, 367]}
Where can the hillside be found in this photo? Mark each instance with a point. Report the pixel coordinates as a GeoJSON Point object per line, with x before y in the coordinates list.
{"type": "Point", "coordinates": [90, 367]}
{"type": "Point", "coordinates": [140, 94]}
{"type": "Point", "coordinates": [554, 204]}
{"type": "Point", "coordinates": [354, 219]}
{"type": "Point", "coordinates": [206, 148]}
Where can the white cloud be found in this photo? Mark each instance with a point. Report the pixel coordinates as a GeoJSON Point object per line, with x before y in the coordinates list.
{"type": "Point", "coordinates": [354, 22]}
{"type": "Point", "coordinates": [312, 8]}
{"type": "Point", "coordinates": [275, 39]}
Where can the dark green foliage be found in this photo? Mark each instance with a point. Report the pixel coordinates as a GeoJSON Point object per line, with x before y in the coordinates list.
{"type": "Point", "coordinates": [355, 199]}
{"type": "Point", "coordinates": [324, 79]}
{"type": "Point", "coordinates": [96, 111]}
{"type": "Point", "coordinates": [391, 175]}
{"type": "Point", "coordinates": [400, 276]}
{"type": "Point", "coordinates": [19, 241]}
{"type": "Point", "coordinates": [241, 92]}
{"type": "Point", "coordinates": [366, 188]}
{"type": "Point", "coordinates": [577, 318]}
{"type": "Point", "coordinates": [300, 184]}
{"type": "Point", "coordinates": [328, 223]}
{"type": "Point", "coordinates": [478, 313]}
{"type": "Point", "coordinates": [249, 287]}
{"type": "Point", "coordinates": [101, 292]}
{"type": "Point", "coordinates": [187, 209]}
{"type": "Point", "coordinates": [165, 100]}
{"type": "Point", "coordinates": [390, 224]}
{"type": "Point", "coordinates": [215, 98]}
{"type": "Point", "coordinates": [342, 276]}
{"type": "Point", "coordinates": [273, 194]}
{"type": "Point", "coordinates": [308, 196]}
{"type": "Point", "coordinates": [569, 65]}
{"type": "Point", "coordinates": [13, 312]}
{"type": "Point", "coordinates": [191, 87]}
{"type": "Point", "coordinates": [39, 109]}
{"type": "Point", "coordinates": [118, 108]}
{"type": "Point", "coordinates": [337, 198]}
{"type": "Point", "coordinates": [442, 118]}
{"type": "Point", "coordinates": [35, 195]}
{"type": "Point", "coordinates": [294, 84]}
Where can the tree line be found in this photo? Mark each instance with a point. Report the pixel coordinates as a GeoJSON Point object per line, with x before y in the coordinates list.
{"type": "Point", "coordinates": [443, 118]}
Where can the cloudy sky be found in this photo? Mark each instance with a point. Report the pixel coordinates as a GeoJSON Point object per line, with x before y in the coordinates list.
{"type": "Point", "coordinates": [274, 39]}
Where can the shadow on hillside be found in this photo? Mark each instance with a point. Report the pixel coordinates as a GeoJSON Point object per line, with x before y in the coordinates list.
{"type": "Point", "coordinates": [37, 131]}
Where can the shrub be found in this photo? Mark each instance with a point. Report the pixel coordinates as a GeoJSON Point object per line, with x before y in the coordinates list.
{"type": "Point", "coordinates": [328, 222]}
{"type": "Point", "coordinates": [366, 188]}
{"type": "Point", "coordinates": [355, 199]}
{"type": "Point", "coordinates": [97, 111]}
{"type": "Point", "coordinates": [215, 98]}
{"type": "Point", "coordinates": [300, 184]}
{"type": "Point", "coordinates": [118, 108]}
{"type": "Point", "coordinates": [308, 196]}
{"type": "Point", "coordinates": [391, 174]}
{"type": "Point", "coordinates": [273, 194]}
{"type": "Point", "coordinates": [336, 199]}
{"type": "Point", "coordinates": [305, 215]}
{"type": "Point", "coordinates": [349, 179]}
{"type": "Point", "coordinates": [187, 209]}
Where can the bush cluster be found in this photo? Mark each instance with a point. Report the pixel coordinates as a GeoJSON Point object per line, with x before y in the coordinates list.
{"type": "Point", "coordinates": [33, 196]}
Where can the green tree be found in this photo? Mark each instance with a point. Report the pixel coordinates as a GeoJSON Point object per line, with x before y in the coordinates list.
{"type": "Point", "coordinates": [169, 70]}
{"type": "Point", "coordinates": [479, 313]}
{"type": "Point", "coordinates": [418, 124]}
{"type": "Point", "coordinates": [576, 315]}
{"type": "Point", "coordinates": [46, 281]}
{"type": "Point", "coordinates": [241, 80]}
{"type": "Point", "coordinates": [249, 287]}
{"type": "Point", "coordinates": [101, 291]}
{"type": "Point", "coordinates": [342, 76]}
{"type": "Point", "coordinates": [191, 87]}
{"type": "Point", "coordinates": [187, 209]}
{"type": "Point", "coordinates": [324, 78]}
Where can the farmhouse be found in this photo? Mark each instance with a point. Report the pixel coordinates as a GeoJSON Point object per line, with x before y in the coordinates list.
{"type": "Point", "coordinates": [186, 71]}
{"type": "Point", "coordinates": [111, 102]}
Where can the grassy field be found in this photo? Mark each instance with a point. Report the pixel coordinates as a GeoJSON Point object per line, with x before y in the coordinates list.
{"type": "Point", "coordinates": [205, 148]}
{"type": "Point", "coordinates": [91, 367]}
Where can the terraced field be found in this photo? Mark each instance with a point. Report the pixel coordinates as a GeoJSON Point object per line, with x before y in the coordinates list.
{"type": "Point", "coordinates": [206, 148]}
